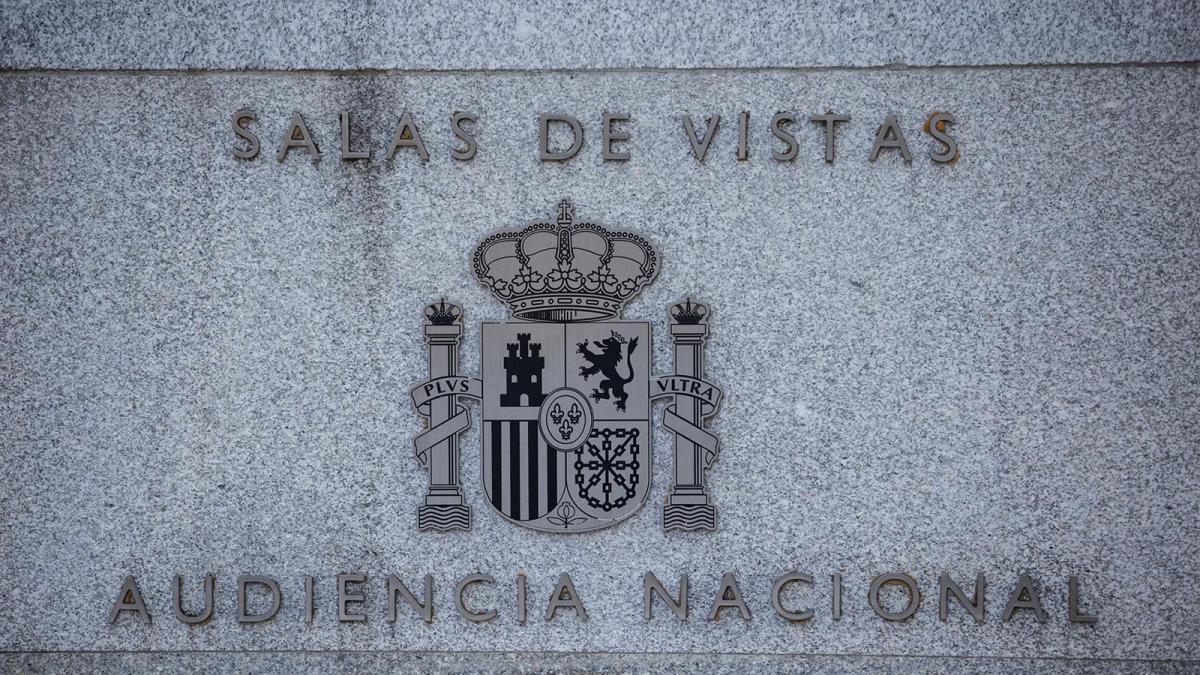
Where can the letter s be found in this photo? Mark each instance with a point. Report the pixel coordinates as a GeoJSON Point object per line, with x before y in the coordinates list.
{"type": "Point", "coordinates": [252, 151]}
{"type": "Point", "coordinates": [936, 127]}
{"type": "Point", "coordinates": [782, 134]}
{"type": "Point", "coordinates": [456, 125]}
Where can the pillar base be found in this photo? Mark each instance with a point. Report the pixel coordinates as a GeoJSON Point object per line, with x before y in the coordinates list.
{"type": "Point", "coordinates": [690, 517]}
{"type": "Point", "coordinates": [444, 517]}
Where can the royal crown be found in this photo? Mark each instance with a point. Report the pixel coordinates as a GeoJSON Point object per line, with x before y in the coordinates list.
{"type": "Point", "coordinates": [442, 314]}
{"type": "Point", "coordinates": [565, 270]}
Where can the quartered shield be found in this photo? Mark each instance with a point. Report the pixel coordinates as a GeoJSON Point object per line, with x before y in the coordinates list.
{"type": "Point", "coordinates": [566, 422]}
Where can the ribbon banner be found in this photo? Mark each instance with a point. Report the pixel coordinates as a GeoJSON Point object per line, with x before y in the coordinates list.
{"type": "Point", "coordinates": [423, 395]}
{"type": "Point", "coordinates": [693, 433]}
{"type": "Point", "coordinates": [707, 393]}
{"type": "Point", "coordinates": [709, 396]}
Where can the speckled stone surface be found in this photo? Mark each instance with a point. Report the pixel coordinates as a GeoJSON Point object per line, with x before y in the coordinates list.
{"type": "Point", "coordinates": [990, 366]}
{"type": "Point", "coordinates": [551, 34]}
{"type": "Point", "coordinates": [435, 662]}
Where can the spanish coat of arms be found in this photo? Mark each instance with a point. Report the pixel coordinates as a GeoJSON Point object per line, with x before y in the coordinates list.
{"type": "Point", "coordinates": [566, 387]}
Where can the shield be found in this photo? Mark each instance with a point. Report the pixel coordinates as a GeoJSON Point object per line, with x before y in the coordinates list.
{"type": "Point", "coordinates": [566, 422]}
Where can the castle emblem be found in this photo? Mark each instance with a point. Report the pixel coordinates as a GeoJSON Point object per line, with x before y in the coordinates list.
{"type": "Point", "coordinates": [566, 388]}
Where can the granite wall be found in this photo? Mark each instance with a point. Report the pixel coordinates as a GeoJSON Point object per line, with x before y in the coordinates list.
{"type": "Point", "coordinates": [986, 366]}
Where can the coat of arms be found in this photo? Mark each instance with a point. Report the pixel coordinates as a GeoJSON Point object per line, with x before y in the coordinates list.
{"type": "Point", "coordinates": [566, 388]}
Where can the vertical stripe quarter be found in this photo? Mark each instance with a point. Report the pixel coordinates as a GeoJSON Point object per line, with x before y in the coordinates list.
{"type": "Point", "coordinates": [552, 479]}
{"type": "Point", "coordinates": [495, 428]}
{"type": "Point", "coordinates": [512, 478]}
{"type": "Point", "coordinates": [535, 481]}
{"type": "Point", "coordinates": [523, 511]}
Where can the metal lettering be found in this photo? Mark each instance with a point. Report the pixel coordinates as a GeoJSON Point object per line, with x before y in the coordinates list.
{"type": "Point", "coordinates": [728, 596]}
{"type": "Point", "coordinates": [244, 615]}
{"type": "Point", "coordinates": [889, 136]}
{"type": "Point", "coordinates": [777, 602]}
{"type": "Point", "coordinates": [836, 607]}
{"type": "Point", "coordinates": [1024, 596]}
{"type": "Point", "coordinates": [608, 136]}
{"type": "Point", "coordinates": [464, 135]}
{"type": "Point", "coordinates": [407, 136]}
{"type": "Point", "coordinates": [936, 126]}
{"type": "Point", "coordinates": [347, 153]}
{"type": "Point", "coordinates": [345, 597]}
{"type": "Point", "coordinates": [946, 587]}
{"type": "Point", "coordinates": [564, 596]}
{"type": "Point", "coordinates": [252, 151]}
{"type": "Point", "coordinates": [206, 613]}
{"type": "Point", "coordinates": [700, 147]}
{"type": "Point", "coordinates": [308, 599]}
{"type": "Point", "coordinates": [396, 587]}
{"type": "Point", "coordinates": [829, 119]}
{"type": "Point", "coordinates": [651, 586]}
{"type": "Point", "coordinates": [129, 599]}
{"type": "Point", "coordinates": [522, 599]}
{"type": "Point", "coordinates": [899, 579]}
{"type": "Point", "coordinates": [468, 614]}
{"type": "Point", "coordinates": [782, 134]}
{"type": "Point", "coordinates": [1073, 612]}
{"type": "Point", "coordinates": [743, 148]}
{"type": "Point", "coordinates": [297, 136]}
{"type": "Point", "coordinates": [544, 138]}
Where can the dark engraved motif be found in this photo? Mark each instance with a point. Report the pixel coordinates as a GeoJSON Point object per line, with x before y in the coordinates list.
{"type": "Point", "coordinates": [566, 387]}
{"type": "Point", "coordinates": [565, 271]}
{"type": "Point", "coordinates": [565, 516]}
{"type": "Point", "coordinates": [565, 419]}
{"type": "Point", "coordinates": [607, 470]}
{"type": "Point", "coordinates": [438, 401]}
{"type": "Point", "coordinates": [605, 363]}
{"type": "Point", "coordinates": [688, 505]}
{"type": "Point", "coordinates": [523, 373]}
{"type": "Point", "coordinates": [520, 470]}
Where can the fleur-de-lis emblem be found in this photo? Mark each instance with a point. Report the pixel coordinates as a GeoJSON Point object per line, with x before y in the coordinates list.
{"type": "Point", "coordinates": [566, 421]}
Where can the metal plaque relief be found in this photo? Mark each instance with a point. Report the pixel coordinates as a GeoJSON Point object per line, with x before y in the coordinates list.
{"type": "Point", "coordinates": [566, 387]}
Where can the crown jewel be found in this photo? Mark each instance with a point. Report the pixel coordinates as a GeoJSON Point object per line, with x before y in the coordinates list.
{"type": "Point", "coordinates": [565, 270]}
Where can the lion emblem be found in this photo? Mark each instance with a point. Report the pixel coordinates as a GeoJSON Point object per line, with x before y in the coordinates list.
{"type": "Point", "coordinates": [605, 363]}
